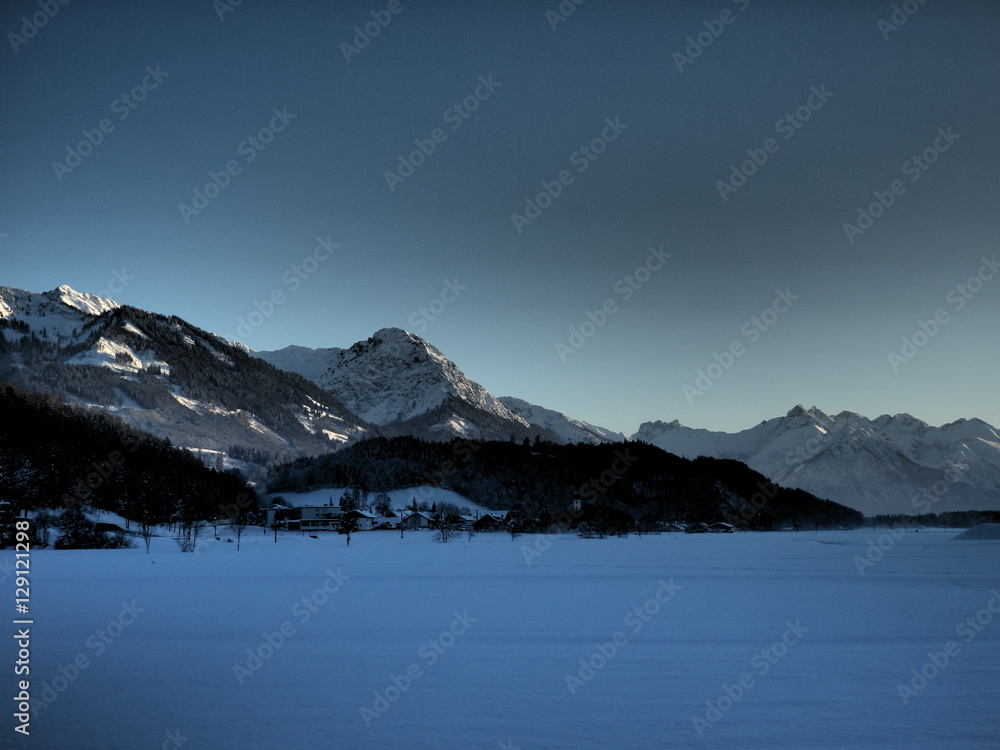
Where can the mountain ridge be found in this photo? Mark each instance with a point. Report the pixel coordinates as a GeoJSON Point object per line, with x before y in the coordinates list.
{"type": "Point", "coordinates": [248, 409]}
{"type": "Point", "coordinates": [396, 379]}
{"type": "Point", "coordinates": [892, 464]}
{"type": "Point", "coordinates": [167, 377]}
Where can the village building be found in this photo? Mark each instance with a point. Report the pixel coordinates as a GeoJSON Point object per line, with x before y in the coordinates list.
{"type": "Point", "coordinates": [306, 517]}
{"type": "Point", "coordinates": [363, 520]}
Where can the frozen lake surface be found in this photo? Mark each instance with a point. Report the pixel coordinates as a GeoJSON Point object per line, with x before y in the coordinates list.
{"type": "Point", "coordinates": [782, 640]}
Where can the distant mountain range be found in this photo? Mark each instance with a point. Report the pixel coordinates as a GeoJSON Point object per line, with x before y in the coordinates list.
{"type": "Point", "coordinates": [889, 465]}
{"type": "Point", "coordinates": [250, 410]}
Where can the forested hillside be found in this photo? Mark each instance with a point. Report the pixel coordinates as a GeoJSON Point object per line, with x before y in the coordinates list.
{"type": "Point", "coordinates": [637, 479]}
{"type": "Point", "coordinates": [65, 458]}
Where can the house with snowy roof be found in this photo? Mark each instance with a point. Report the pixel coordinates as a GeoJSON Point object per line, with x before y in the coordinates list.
{"type": "Point", "coordinates": [363, 519]}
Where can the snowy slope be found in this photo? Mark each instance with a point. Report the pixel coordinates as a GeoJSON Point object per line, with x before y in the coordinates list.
{"type": "Point", "coordinates": [568, 430]}
{"type": "Point", "coordinates": [893, 464]}
{"type": "Point", "coordinates": [89, 304]}
{"type": "Point", "coordinates": [60, 315]}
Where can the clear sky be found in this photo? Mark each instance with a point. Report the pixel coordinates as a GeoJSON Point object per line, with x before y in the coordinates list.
{"type": "Point", "coordinates": [643, 125]}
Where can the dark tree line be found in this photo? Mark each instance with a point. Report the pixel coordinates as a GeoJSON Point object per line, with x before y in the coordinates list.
{"type": "Point", "coordinates": [67, 459]}
{"type": "Point", "coordinates": [617, 484]}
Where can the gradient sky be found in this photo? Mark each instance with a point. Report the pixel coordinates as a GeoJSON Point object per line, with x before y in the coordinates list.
{"type": "Point", "coordinates": [323, 175]}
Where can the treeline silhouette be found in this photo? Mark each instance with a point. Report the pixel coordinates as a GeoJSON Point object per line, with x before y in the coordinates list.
{"type": "Point", "coordinates": [641, 480]}
{"type": "Point", "coordinates": [65, 458]}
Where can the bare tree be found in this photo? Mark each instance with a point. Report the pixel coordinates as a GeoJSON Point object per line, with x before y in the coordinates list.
{"type": "Point", "coordinates": [448, 509]}
{"type": "Point", "coordinates": [446, 530]}
{"type": "Point", "coordinates": [278, 522]}
{"type": "Point", "coordinates": [189, 533]}
{"type": "Point", "coordinates": [383, 504]}
{"type": "Point", "coordinates": [239, 521]}
{"type": "Point", "coordinates": [146, 529]}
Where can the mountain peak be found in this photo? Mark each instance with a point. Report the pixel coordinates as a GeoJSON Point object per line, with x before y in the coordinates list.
{"type": "Point", "coordinates": [847, 416]}
{"type": "Point", "coordinates": [898, 419]}
{"type": "Point", "coordinates": [392, 332]}
{"type": "Point", "coordinates": [814, 414]}
{"type": "Point", "coordinates": [393, 376]}
{"type": "Point", "coordinates": [87, 303]}
{"type": "Point", "coordinates": [395, 347]}
{"type": "Point", "coordinates": [396, 339]}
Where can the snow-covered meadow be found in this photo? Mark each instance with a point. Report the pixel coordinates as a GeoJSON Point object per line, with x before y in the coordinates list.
{"type": "Point", "coordinates": [780, 640]}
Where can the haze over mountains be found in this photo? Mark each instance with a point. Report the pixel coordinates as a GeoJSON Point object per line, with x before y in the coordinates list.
{"type": "Point", "coordinates": [253, 409]}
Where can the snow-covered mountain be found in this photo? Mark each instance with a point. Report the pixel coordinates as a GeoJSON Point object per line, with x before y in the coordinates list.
{"type": "Point", "coordinates": [392, 377]}
{"type": "Point", "coordinates": [52, 316]}
{"type": "Point", "coordinates": [404, 384]}
{"type": "Point", "coordinates": [567, 429]}
{"type": "Point", "coordinates": [892, 464]}
{"type": "Point", "coordinates": [239, 408]}
{"type": "Point", "coordinates": [401, 382]}
{"type": "Point", "coordinates": [167, 377]}
{"type": "Point", "coordinates": [174, 380]}
{"type": "Point", "coordinates": [89, 304]}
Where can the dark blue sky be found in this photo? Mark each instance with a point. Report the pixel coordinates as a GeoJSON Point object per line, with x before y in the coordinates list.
{"type": "Point", "coordinates": [405, 248]}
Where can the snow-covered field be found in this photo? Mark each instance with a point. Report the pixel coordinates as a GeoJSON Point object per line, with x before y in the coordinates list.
{"type": "Point", "coordinates": [716, 641]}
